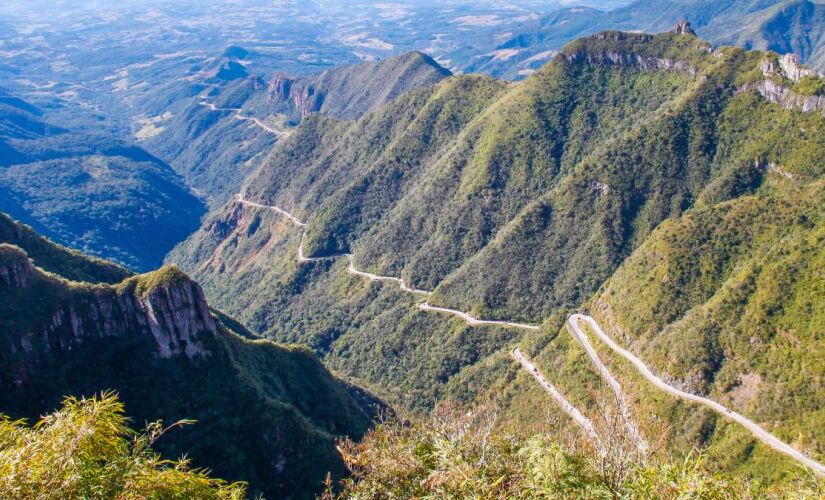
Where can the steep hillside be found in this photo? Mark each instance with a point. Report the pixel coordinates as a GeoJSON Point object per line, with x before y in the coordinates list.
{"type": "Point", "coordinates": [93, 193]}
{"type": "Point", "coordinates": [58, 259]}
{"type": "Point", "coordinates": [518, 203]}
{"type": "Point", "coordinates": [345, 92]}
{"type": "Point", "coordinates": [217, 142]}
{"type": "Point", "coordinates": [264, 413]}
{"type": "Point", "coordinates": [727, 302]}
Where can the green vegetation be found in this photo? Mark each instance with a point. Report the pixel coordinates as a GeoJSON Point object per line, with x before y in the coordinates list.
{"type": "Point", "coordinates": [462, 455]}
{"type": "Point", "coordinates": [521, 202]}
{"type": "Point", "coordinates": [216, 152]}
{"type": "Point", "coordinates": [87, 450]}
{"type": "Point", "coordinates": [267, 414]}
{"type": "Point", "coordinates": [725, 299]}
{"type": "Point", "coordinates": [344, 92]}
{"type": "Point", "coordinates": [810, 85]}
{"type": "Point", "coordinates": [58, 259]}
{"type": "Point", "coordinates": [164, 278]}
{"type": "Point", "coordinates": [91, 192]}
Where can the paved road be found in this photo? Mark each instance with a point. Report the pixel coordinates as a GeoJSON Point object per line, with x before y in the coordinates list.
{"type": "Point", "coordinates": [374, 277]}
{"type": "Point", "coordinates": [757, 431]}
{"type": "Point", "coordinates": [621, 403]}
{"type": "Point", "coordinates": [582, 337]}
{"type": "Point", "coordinates": [350, 268]}
{"type": "Point", "coordinates": [571, 410]}
{"type": "Point", "coordinates": [239, 116]}
{"type": "Point", "coordinates": [286, 214]}
{"type": "Point", "coordinates": [475, 321]}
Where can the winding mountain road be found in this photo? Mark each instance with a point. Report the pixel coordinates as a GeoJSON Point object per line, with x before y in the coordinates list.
{"type": "Point", "coordinates": [582, 337]}
{"type": "Point", "coordinates": [239, 116]}
{"type": "Point", "coordinates": [475, 321]}
{"type": "Point", "coordinates": [757, 431]}
{"type": "Point", "coordinates": [621, 403]}
{"type": "Point", "coordinates": [571, 410]}
{"type": "Point", "coordinates": [351, 269]}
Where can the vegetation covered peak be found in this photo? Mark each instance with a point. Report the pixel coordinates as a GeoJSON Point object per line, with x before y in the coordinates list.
{"type": "Point", "coordinates": [625, 47]}
{"type": "Point", "coordinates": [165, 278]}
{"type": "Point", "coordinates": [12, 254]}
{"type": "Point", "coordinates": [418, 57]}
{"type": "Point", "coordinates": [154, 340]}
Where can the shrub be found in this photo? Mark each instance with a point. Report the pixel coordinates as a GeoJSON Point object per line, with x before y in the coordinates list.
{"type": "Point", "coordinates": [87, 450]}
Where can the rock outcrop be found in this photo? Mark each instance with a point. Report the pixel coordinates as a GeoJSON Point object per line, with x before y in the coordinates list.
{"type": "Point", "coordinates": [165, 308]}
{"type": "Point", "coordinates": [794, 70]}
{"type": "Point", "coordinates": [610, 48]}
{"type": "Point", "coordinates": [15, 267]}
{"type": "Point", "coordinates": [683, 28]}
{"type": "Point", "coordinates": [611, 58]}
{"type": "Point", "coordinates": [305, 98]}
{"type": "Point", "coordinates": [785, 97]}
{"type": "Point", "coordinates": [176, 314]}
{"type": "Point", "coordinates": [786, 67]}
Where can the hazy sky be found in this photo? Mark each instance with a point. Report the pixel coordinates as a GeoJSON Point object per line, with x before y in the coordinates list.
{"type": "Point", "coordinates": [21, 7]}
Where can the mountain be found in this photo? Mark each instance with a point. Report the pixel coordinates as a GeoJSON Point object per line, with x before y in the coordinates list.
{"type": "Point", "coordinates": [91, 192]}
{"type": "Point", "coordinates": [648, 179]}
{"type": "Point", "coordinates": [790, 26]}
{"type": "Point", "coordinates": [215, 150]}
{"type": "Point", "coordinates": [345, 92]}
{"type": "Point", "coordinates": [264, 413]}
{"type": "Point", "coordinates": [796, 26]}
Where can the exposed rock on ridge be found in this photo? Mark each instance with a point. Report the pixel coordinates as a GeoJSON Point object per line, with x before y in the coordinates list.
{"type": "Point", "coordinates": [785, 97]}
{"type": "Point", "coordinates": [630, 60]}
{"type": "Point", "coordinates": [165, 306]}
{"type": "Point", "coordinates": [602, 49]}
{"type": "Point", "coordinates": [786, 66]}
{"type": "Point", "coordinates": [15, 267]}
{"type": "Point", "coordinates": [683, 28]}
{"type": "Point", "coordinates": [176, 314]}
{"type": "Point", "coordinates": [304, 97]}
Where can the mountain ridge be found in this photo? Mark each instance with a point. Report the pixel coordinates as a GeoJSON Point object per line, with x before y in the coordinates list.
{"type": "Point", "coordinates": [554, 183]}
{"type": "Point", "coordinates": [783, 26]}
{"type": "Point", "coordinates": [215, 152]}
{"type": "Point", "coordinates": [154, 339]}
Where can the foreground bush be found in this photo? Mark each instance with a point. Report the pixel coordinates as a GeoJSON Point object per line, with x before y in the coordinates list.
{"type": "Point", "coordinates": [462, 455]}
{"type": "Point", "coordinates": [87, 450]}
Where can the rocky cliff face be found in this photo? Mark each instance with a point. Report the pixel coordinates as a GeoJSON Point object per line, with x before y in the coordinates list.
{"type": "Point", "coordinates": [791, 67]}
{"type": "Point", "coordinates": [610, 58]}
{"type": "Point", "coordinates": [785, 97]}
{"type": "Point", "coordinates": [683, 27]}
{"type": "Point", "coordinates": [305, 98]}
{"type": "Point", "coordinates": [165, 306]}
{"type": "Point", "coordinates": [15, 267]}
{"type": "Point", "coordinates": [176, 314]}
{"type": "Point", "coordinates": [607, 49]}
{"type": "Point", "coordinates": [786, 67]}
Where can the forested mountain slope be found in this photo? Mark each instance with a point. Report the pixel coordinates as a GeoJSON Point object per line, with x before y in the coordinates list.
{"type": "Point", "coordinates": [264, 413]}
{"type": "Point", "coordinates": [94, 193]}
{"type": "Point", "coordinates": [344, 92]}
{"type": "Point", "coordinates": [524, 202]}
{"type": "Point", "coordinates": [215, 150]}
